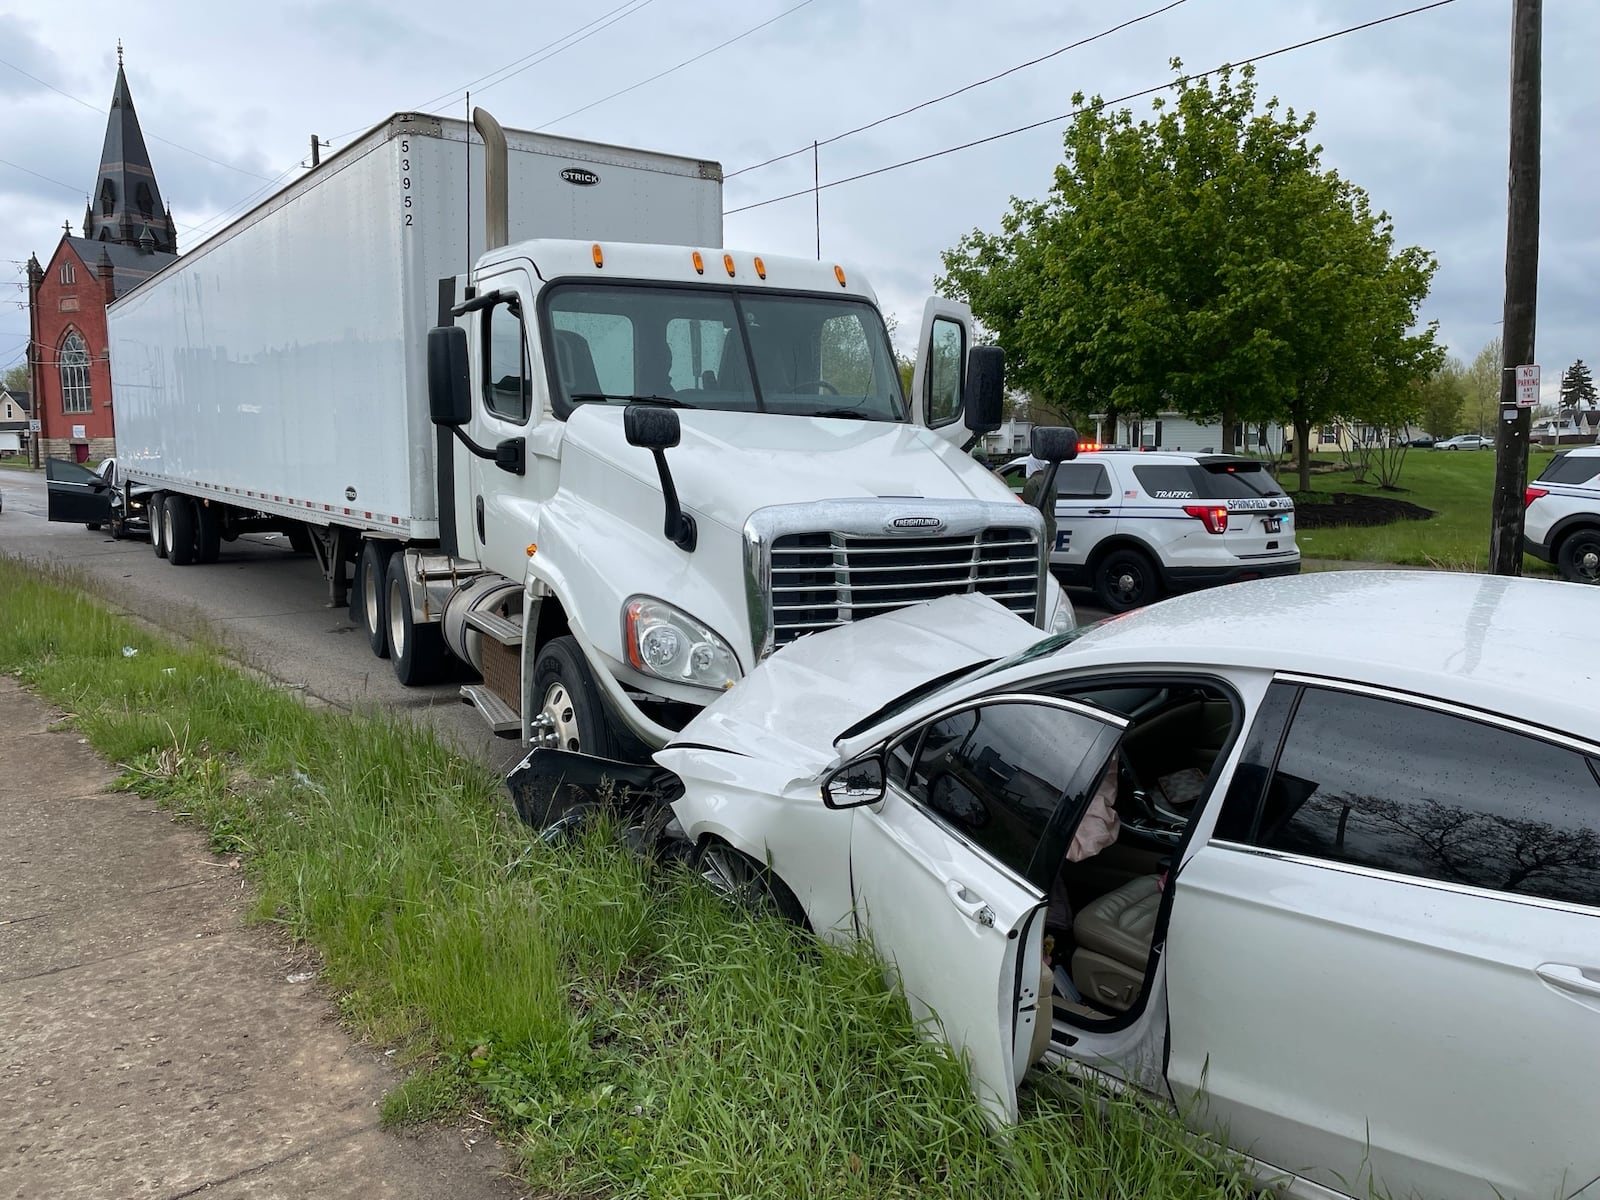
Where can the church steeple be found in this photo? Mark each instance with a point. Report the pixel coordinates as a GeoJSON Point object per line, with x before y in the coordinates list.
{"type": "Point", "coordinates": [126, 205]}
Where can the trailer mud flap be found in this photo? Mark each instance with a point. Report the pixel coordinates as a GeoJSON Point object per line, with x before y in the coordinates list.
{"type": "Point", "coordinates": [549, 787]}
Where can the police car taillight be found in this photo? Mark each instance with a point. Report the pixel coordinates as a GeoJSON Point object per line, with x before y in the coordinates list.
{"type": "Point", "coordinates": [1532, 494]}
{"type": "Point", "coordinates": [1213, 516]}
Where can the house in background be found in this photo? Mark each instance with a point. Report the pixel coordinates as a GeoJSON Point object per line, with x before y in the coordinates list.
{"type": "Point", "coordinates": [16, 410]}
{"type": "Point", "coordinates": [1174, 431]}
{"type": "Point", "coordinates": [1011, 439]}
{"type": "Point", "coordinates": [128, 235]}
{"type": "Point", "coordinates": [1574, 427]}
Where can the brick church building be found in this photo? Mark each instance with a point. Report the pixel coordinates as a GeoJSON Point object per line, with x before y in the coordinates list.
{"type": "Point", "coordinates": [128, 236]}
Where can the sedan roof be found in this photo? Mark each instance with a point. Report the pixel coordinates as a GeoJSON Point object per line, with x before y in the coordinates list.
{"type": "Point", "coordinates": [1489, 642]}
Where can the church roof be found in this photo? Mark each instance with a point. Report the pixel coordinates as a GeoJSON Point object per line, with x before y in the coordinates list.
{"type": "Point", "coordinates": [130, 266]}
{"type": "Point", "coordinates": [127, 201]}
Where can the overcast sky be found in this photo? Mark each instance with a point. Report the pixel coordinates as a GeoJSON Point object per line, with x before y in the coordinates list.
{"type": "Point", "coordinates": [1415, 111]}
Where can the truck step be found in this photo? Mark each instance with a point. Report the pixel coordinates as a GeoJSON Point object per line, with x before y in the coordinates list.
{"type": "Point", "coordinates": [507, 633]}
{"type": "Point", "coordinates": [501, 717]}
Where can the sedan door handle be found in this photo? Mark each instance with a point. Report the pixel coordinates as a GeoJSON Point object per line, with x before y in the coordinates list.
{"type": "Point", "coordinates": [1569, 978]}
{"type": "Point", "coordinates": [971, 906]}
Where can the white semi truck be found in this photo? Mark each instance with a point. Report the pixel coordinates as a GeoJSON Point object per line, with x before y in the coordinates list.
{"type": "Point", "coordinates": [516, 384]}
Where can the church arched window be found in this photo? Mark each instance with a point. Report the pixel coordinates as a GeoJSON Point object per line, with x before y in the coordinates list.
{"type": "Point", "coordinates": [146, 202]}
{"type": "Point", "coordinates": [74, 374]}
{"type": "Point", "coordinates": [108, 198]}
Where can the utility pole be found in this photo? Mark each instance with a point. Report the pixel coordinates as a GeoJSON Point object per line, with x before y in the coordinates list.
{"type": "Point", "coordinates": [1522, 286]}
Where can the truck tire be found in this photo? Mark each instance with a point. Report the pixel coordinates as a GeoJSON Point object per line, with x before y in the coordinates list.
{"type": "Point", "coordinates": [158, 523]}
{"type": "Point", "coordinates": [1125, 579]}
{"type": "Point", "coordinates": [416, 648]}
{"type": "Point", "coordinates": [178, 521]}
{"type": "Point", "coordinates": [208, 534]}
{"type": "Point", "coordinates": [1579, 556]}
{"type": "Point", "coordinates": [372, 572]}
{"type": "Point", "coordinates": [565, 691]}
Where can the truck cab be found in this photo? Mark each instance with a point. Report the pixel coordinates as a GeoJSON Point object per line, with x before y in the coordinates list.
{"type": "Point", "coordinates": [687, 459]}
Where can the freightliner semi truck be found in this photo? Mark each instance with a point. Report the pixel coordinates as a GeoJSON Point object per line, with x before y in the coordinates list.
{"type": "Point", "coordinates": [529, 414]}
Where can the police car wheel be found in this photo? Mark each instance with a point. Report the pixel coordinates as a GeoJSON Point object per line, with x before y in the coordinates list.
{"type": "Point", "coordinates": [1126, 579]}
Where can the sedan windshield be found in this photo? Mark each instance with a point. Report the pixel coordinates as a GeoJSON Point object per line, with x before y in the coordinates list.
{"type": "Point", "coordinates": [722, 349]}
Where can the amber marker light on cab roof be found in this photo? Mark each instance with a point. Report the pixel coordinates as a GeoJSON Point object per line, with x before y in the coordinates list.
{"type": "Point", "coordinates": [599, 255]}
{"type": "Point", "coordinates": [761, 268]}
{"type": "Point", "coordinates": [727, 261]}
{"type": "Point", "coordinates": [699, 263]}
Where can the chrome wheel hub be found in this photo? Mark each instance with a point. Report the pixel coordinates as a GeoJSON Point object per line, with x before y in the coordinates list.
{"type": "Point", "coordinates": [556, 726]}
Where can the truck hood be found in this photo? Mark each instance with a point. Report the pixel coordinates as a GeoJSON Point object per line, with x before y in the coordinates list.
{"type": "Point", "coordinates": [797, 703]}
{"type": "Point", "coordinates": [726, 457]}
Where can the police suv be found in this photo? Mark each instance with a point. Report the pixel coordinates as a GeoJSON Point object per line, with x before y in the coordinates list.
{"type": "Point", "coordinates": [1561, 523]}
{"type": "Point", "coordinates": [1133, 525]}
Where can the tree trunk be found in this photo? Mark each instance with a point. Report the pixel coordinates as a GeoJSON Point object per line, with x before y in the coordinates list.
{"type": "Point", "coordinates": [1229, 428]}
{"type": "Point", "coordinates": [1302, 452]}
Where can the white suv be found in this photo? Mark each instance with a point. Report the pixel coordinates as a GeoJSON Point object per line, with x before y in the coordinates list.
{"type": "Point", "coordinates": [1562, 521]}
{"type": "Point", "coordinates": [1133, 525]}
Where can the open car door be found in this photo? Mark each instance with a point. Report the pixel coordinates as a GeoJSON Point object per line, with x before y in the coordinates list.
{"type": "Point", "coordinates": [939, 379]}
{"type": "Point", "coordinates": [951, 870]}
{"type": "Point", "coordinates": [75, 494]}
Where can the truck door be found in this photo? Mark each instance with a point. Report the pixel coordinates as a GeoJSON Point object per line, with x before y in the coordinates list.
{"type": "Point", "coordinates": [500, 515]}
{"type": "Point", "coordinates": [938, 381]}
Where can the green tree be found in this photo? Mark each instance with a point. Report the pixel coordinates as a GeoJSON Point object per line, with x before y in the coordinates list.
{"type": "Point", "coordinates": [1442, 398]}
{"type": "Point", "coordinates": [1483, 388]}
{"type": "Point", "coordinates": [1577, 388]}
{"type": "Point", "coordinates": [16, 378]}
{"type": "Point", "coordinates": [1200, 260]}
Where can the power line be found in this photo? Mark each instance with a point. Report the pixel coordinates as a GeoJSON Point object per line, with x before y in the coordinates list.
{"type": "Point", "coordinates": [154, 137]}
{"type": "Point", "coordinates": [905, 112]}
{"type": "Point", "coordinates": [1087, 108]}
{"type": "Point", "coordinates": [36, 175]}
{"type": "Point", "coordinates": [680, 66]}
{"type": "Point", "coordinates": [214, 224]}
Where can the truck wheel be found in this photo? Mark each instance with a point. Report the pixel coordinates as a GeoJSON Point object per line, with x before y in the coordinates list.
{"type": "Point", "coordinates": [177, 519]}
{"type": "Point", "coordinates": [158, 523]}
{"type": "Point", "coordinates": [372, 571]}
{"type": "Point", "coordinates": [1126, 578]}
{"type": "Point", "coordinates": [416, 648]}
{"type": "Point", "coordinates": [209, 532]}
{"type": "Point", "coordinates": [1579, 556]}
{"type": "Point", "coordinates": [569, 700]}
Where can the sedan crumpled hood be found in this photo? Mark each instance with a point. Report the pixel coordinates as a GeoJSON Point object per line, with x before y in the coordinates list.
{"type": "Point", "coordinates": [803, 697]}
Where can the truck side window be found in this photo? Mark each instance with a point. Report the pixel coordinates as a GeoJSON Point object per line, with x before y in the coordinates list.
{"type": "Point", "coordinates": [506, 387]}
{"type": "Point", "coordinates": [948, 349]}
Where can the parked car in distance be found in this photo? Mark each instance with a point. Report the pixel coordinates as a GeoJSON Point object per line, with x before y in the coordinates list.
{"type": "Point", "coordinates": [1349, 916]}
{"type": "Point", "coordinates": [1420, 440]}
{"type": "Point", "coordinates": [1465, 441]}
{"type": "Point", "coordinates": [1136, 525]}
{"type": "Point", "coordinates": [1561, 517]}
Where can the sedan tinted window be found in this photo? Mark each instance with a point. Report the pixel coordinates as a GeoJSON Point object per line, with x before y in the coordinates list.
{"type": "Point", "coordinates": [997, 773]}
{"type": "Point", "coordinates": [1383, 784]}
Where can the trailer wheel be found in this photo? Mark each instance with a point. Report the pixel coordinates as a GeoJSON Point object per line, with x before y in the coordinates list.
{"type": "Point", "coordinates": [416, 648]}
{"type": "Point", "coordinates": [209, 532]}
{"type": "Point", "coordinates": [177, 518]}
{"type": "Point", "coordinates": [155, 507]}
{"type": "Point", "coordinates": [569, 700]}
{"type": "Point", "coordinates": [372, 570]}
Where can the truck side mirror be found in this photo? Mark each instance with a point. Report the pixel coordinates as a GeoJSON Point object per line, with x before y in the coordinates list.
{"type": "Point", "coordinates": [1054, 443]}
{"type": "Point", "coordinates": [985, 391]}
{"type": "Point", "coordinates": [655, 428]}
{"type": "Point", "coordinates": [449, 383]}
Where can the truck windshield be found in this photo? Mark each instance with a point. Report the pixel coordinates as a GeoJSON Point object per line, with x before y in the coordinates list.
{"type": "Point", "coordinates": [721, 348]}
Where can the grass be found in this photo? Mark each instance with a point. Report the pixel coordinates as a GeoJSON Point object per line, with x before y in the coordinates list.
{"type": "Point", "coordinates": [630, 1035]}
{"type": "Point", "coordinates": [19, 463]}
{"type": "Point", "coordinates": [1456, 485]}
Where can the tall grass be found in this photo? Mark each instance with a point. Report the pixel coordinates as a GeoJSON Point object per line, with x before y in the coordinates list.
{"type": "Point", "coordinates": [632, 1035]}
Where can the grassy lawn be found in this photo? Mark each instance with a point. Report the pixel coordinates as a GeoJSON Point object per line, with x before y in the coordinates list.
{"type": "Point", "coordinates": [1457, 485]}
{"type": "Point", "coordinates": [631, 1035]}
{"type": "Point", "coordinates": [20, 463]}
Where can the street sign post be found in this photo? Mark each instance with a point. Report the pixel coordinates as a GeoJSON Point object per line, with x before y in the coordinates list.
{"type": "Point", "coordinates": [1527, 384]}
{"type": "Point", "coordinates": [34, 426]}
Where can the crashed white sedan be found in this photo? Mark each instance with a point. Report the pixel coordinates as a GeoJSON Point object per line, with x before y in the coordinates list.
{"type": "Point", "coordinates": [1317, 859]}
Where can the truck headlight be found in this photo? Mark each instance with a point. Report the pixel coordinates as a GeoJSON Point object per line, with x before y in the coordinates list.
{"type": "Point", "coordinates": [670, 644]}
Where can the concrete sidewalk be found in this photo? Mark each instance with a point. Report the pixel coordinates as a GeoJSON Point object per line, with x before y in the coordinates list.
{"type": "Point", "coordinates": [152, 1046]}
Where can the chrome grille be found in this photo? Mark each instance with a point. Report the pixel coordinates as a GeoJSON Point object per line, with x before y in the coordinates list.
{"type": "Point", "coordinates": [818, 580]}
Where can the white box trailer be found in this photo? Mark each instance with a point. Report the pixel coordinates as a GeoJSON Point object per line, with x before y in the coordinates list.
{"type": "Point", "coordinates": [282, 365]}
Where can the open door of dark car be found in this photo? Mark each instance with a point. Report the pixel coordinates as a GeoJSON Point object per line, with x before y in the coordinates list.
{"type": "Point", "coordinates": [77, 495]}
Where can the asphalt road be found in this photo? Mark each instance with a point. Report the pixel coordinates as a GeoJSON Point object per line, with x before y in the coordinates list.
{"type": "Point", "coordinates": [266, 604]}
{"type": "Point", "coordinates": [268, 607]}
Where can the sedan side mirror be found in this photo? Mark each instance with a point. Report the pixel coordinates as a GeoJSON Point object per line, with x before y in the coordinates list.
{"type": "Point", "coordinates": [856, 784]}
